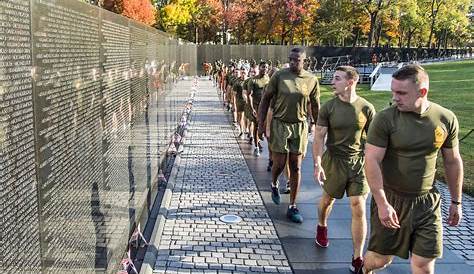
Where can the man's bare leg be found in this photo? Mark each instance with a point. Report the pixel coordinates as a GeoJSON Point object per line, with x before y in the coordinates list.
{"type": "Point", "coordinates": [295, 175]}
{"type": "Point", "coordinates": [375, 261]}
{"type": "Point", "coordinates": [359, 224]}
{"type": "Point", "coordinates": [325, 207]}
{"type": "Point", "coordinates": [279, 160]}
{"type": "Point", "coordinates": [422, 265]}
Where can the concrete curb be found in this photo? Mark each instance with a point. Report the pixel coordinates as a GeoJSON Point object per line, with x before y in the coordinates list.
{"type": "Point", "coordinates": [151, 254]}
{"type": "Point", "coordinates": [152, 250]}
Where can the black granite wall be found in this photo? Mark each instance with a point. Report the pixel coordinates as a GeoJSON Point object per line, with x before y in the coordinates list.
{"type": "Point", "coordinates": [87, 111]}
{"type": "Point", "coordinates": [359, 55]}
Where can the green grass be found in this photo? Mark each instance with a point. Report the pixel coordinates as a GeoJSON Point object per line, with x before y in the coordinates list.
{"type": "Point", "coordinates": [452, 86]}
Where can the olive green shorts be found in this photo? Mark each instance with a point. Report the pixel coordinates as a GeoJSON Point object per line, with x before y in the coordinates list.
{"type": "Point", "coordinates": [344, 175]}
{"type": "Point", "coordinates": [253, 118]}
{"type": "Point", "coordinates": [247, 111]}
{"type": "Point", "coordinates": [288, 137]}
{"type": "Point", "coordinates": [240, 104]}
{"type": "Point", "coordinates": [421, 228]}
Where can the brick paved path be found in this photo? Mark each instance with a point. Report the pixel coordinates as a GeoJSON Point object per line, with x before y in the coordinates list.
{"type": "Point", "coordinates": [213, 179]}
{"type": "Point", "coordinates": [459, 239]}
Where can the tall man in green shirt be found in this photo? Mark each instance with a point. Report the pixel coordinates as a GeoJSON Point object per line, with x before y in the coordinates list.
{"type": "Point", "coordinates": [400, 163]}
{"type": "Point", "coordinates": [292, 90]}
{"type": "Point", "coordinates": [345, 120]}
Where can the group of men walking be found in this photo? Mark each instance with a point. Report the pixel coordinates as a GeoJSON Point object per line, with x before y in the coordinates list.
{"type": "Point", "coordinates": [391, 154]}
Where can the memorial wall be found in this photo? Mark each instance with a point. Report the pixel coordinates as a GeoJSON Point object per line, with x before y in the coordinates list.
{"type": "Point", "coordinates": [87, 111]}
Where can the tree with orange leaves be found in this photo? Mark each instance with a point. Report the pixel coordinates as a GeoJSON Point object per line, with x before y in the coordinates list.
{"type": "Point", "coordinates": [140, 10]}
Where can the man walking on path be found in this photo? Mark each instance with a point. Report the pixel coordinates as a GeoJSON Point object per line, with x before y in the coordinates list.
{"type": "Point", "coordinates": [345, 120]}
{"type": "Point", "coordinates": [239, 102]}
{"type": "Point", "coordinates": [402, 146]}
{"type": "Point", "coordinates": [291, 90]}
{"type": "Point", "coordinates": [256, 86]}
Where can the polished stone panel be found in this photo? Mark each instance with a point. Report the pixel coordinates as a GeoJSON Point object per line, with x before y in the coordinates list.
{"type": "Point", "coordinates": [69, 133]}
{"type": "Point", "coordinates": [19, 240]}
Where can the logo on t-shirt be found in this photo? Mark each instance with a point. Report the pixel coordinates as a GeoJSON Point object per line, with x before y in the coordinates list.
{"type": "Point", "coordinates": [304, 89]}
{"type": "Point", "coordinates": [438, 137]}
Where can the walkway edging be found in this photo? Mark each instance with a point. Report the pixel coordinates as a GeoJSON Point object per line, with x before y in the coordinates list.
{"type": "Point", "coordinates": [152, 251]}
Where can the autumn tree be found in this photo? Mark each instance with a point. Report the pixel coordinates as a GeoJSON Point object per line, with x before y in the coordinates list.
{"type": "Point", "coordinates": [208, 21]}
{"type": "Point", "coordinates": [329, 22]}
{"type": "Point", "coordinates": [411, 20]}
{"type": "Point", "coordinates": [452, 23]}
{"type": "Point", "coordinates": [374, 9]}
{"type": "Point", "coordinates": [337, 21]}
{"type": "Point", "coordinates": [292, 15]}
{"type": "Point", "coordinates": [140, 10]}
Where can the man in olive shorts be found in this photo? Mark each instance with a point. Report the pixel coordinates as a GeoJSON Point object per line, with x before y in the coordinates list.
{"type": "Point", "coordinates": [345, 120]}
{"type": "Point", "coordinates": [400, 162]}
{"type": "Point", "coordinates": [247, 110]}
{"type": "Point", "coordinates": [239, 101]}
{"type": "Point", "coordinates": [291, 89]}
{"type": "Point", "coordinates": [256, 86]}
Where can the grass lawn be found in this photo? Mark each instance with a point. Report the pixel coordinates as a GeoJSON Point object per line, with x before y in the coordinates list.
{"type": "Point", "coordinates": [452, 86]}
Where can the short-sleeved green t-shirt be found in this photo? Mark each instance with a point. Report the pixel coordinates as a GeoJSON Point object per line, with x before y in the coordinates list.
{"type": "Point", "coordinates": [245, 84]}
{"type": "Point", "coordinates": [346, 123]}
{"type": "Point", "coordinates": [292, 93]}
{"type": "Point", "coordinates": [412, 142]}
{"type": "Point", "coordinates": [230, 80]}
{"type": "Point", "coordinates": [228, 77]}
{"type": "Point", "coordinates": [256, 86]}
{"type": "Point", "coordinates": [238, 89]}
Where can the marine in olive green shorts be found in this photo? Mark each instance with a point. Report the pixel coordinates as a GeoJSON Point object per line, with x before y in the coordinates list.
{"type": "Point", "coordinates": [292, 93]}
{"type": "Point", "coordinates": [239, 98]}
{"type": "Point", "coordinates": [239, 101]}
{"type": "Point", "coordinates": [247, 115]}
{"type": "Point", "coordinates": [343, 160]}
{"type": "Point", "coordinates": [291, 90]}
{"type": "Point", "coordinates": [256, 87]}
{"type": "Point", "coordinates": [344, 120]}
{"type": "Point", "coordinates": [402, 147]}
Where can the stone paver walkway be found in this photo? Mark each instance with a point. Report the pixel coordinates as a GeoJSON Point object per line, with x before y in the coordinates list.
{"type": "Point", "coordinates": [459, 239]}
{"type": "Point", "coordinates": [213, 180]}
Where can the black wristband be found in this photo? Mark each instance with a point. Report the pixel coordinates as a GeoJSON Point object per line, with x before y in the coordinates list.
{"type": "Point", "coordinates": [455, 202]}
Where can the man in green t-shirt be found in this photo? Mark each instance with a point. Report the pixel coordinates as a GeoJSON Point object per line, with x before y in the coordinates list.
{"type": "Point", "coordinates": [239, 102]}
{"type": "Point", "coordinates": [247, 110]}
{"type": "Point", "coordinates": [292, 90]}
{"type": "Point", "coordinates": [400, 162]}
{"type": "Point", "coordinates": [345, 120]}
{"type": "Point", "coordinates": [256, 86]}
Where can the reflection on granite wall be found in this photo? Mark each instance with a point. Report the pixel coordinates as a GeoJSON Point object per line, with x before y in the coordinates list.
{"type": "Point", "coordinates": [87, 110]}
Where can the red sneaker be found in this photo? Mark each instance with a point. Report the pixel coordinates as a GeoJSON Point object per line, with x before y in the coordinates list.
{"type": "Point", "coordinates": [357, 264]}
{"type": "Point", "coordinates": [322, 236]}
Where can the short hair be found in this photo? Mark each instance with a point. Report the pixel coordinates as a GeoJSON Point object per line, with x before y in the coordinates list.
{"type": "Point", "coordinates": [298, 50]}
{"type": "Point", "coordinates": [351, 72]}
{"type": "Point", "coordinates": [415, 73]}
{"type": "Point", "coordinates": [262, 63]}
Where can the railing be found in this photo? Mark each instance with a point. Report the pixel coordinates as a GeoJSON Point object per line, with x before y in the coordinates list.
{"type": "Point", "coordinates": [375, 74]}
